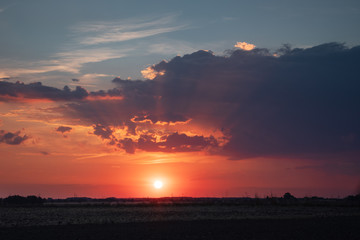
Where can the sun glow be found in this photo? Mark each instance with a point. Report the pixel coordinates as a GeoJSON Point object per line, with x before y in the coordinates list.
{"type": "Point", "coordinates": [158, 184]}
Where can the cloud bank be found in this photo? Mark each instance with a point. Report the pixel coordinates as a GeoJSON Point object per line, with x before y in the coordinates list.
{"type": "Point", "coordinates": [37, 91]}
{"type": "Point", "coordinates": [302, 103]}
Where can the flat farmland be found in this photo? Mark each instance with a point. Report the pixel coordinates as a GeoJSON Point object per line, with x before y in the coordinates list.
{"type": "Point", "coordinates": [65, 215]}
{"type": "Point", "coordinates": [179, 222]}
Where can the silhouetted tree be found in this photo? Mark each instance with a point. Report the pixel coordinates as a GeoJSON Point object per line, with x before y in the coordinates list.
{"type": "Point", "coordinates": [19, 200]}
{"type": "Point", "coordinates": [34, 200]}
{"type": "Point", "coordinates": [353, 198]}
{"type": "Point", "coordinates": [15, 199]}
{"type": "Point", "coordinates": [288, 196]}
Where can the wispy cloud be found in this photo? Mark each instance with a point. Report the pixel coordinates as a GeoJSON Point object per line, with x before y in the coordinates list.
{"type": "Point", "coordinates": [72, 61]}
{"type": "Point", "coordinates": [3, 75]}
{"type": "Point", "coordinates": [90, 79]}
{"type": "Point", "coordinates": [125, 36]}
{"type": "Point", "coordinates": [67, 61]}
{"type": "Point", "coordinates": [82, 51]}
{"type": "Point", "coordinates": [124, 30]}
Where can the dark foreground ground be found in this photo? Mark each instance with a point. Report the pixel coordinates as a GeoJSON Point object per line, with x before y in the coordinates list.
{"type": "Point", "coordinates": [338, 227]}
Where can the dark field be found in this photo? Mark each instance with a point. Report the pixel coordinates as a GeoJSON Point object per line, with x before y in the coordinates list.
{"type": "Point", "coordinates": [179, 222]}
{"type": "Point", "coordinates": [311, 228]}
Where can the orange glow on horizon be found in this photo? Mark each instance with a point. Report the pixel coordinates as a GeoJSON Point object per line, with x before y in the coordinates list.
{"type": "Point", "coordinates": [86, 166]}
{"type": "Point", "coordinates": [22, 99]}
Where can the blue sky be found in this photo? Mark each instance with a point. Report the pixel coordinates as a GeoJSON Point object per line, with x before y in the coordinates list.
{"type": "Point", "coordinates": [95, 41]}
{"type": "Point", "coordinates": [239, 116]}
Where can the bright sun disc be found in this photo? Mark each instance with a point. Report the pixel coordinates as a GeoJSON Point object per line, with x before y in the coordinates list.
{"type": "Point", "coordinates": [158, 184]}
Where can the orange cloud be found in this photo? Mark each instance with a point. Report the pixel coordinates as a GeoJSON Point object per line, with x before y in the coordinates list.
{"type": "Point", "coordinates": [245, 46]}
{"type": "Point", "coordinates": [151, 73]}
{"type": "Point", "coordinates": [22, 98]}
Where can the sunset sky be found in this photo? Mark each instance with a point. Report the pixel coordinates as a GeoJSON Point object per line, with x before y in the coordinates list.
{"type": "Point", "coordinates": [213, 98]}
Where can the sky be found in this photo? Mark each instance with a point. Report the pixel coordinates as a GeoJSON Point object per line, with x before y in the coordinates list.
{"type": "Point", "coordinates": [213, 98]}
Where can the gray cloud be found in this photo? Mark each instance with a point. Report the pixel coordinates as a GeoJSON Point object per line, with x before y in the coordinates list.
{"type": "Point", "coordinates": [12, 138]}
{"type": "Point", "coordinates": [303, 102]}
{"type": "Point", "coordinates": [103, 131]}
{"type": "Point", "coordinates": [63, 129]}
{"type": "Point", "coordinates": [174, 142]}
{"type": "Point", "coordinates": [21, 92]}
{"type": "Point", "coordinates": [36, 90]}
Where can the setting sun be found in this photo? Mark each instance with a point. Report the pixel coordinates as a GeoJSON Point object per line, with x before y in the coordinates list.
{"type": "Point", "coordinates": [158, 184]}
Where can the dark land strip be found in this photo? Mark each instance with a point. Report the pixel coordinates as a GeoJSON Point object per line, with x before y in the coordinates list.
{"type": "Point", "coordinates": [327, 228]}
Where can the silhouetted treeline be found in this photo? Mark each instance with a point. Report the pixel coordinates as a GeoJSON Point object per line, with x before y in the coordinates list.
{"type": "Point", "coordinates": [353, 198]}
{"type": "Point", "coordinates": [19, 200]}
{"type": "Point", "coordinates": [286, 200]}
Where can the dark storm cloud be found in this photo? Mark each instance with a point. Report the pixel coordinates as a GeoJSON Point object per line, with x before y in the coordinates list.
{"type": "Point", "coordinates": [12, 138]}
{"type": "Point", "coordinates": [103, 131]}
{"type": "Point", "coordinates": [63, 129]}
{"type": "Point", "coordinates": [182, 142]}
{"type": "Point", "coordinates": [38, 91]}
{"type": "Point", "coordinates": [174, 142]}
{"type": "Point", "coordinates": [300, 103]}
{"type": "Point", "coordinates": [146, 96]}
{"type": "Point", "coordinates": [304, 102]}
{"type": "Point", "coordinates": [128, 145]}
